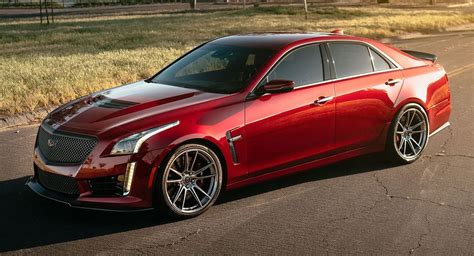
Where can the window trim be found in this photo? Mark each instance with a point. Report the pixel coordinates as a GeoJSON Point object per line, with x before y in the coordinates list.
{"type": "Point", "coordinates": [324, 65]}
{"type": "Point", "coordinates": [150, 79]}
{"type": "Point", "coordinates": [390, 62]}
{"type": "Point", "coordinates": [390, 65]}
{"type": "Point", "coordinates": [333, 78]}
{"type": "Point", "coordinates": [334, 61]}
{"type": "Point", "coordinates": [244, 86]}
{"type": "Point", "coordinates": [372, 59]}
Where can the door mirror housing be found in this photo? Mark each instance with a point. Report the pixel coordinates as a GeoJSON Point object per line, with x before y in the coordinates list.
{"type": "Point", "coordinates": [277, 86]}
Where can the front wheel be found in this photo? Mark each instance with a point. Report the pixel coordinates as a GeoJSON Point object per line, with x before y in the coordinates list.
{"type": "Point", "coordinates": [190, 181]}
{"type": "Point", "coordinates": [408, 134]}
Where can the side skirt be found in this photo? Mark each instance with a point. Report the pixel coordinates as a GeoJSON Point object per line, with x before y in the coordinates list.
{"type": "Point", "coordinates": [445, 125]}
{"type": "Point", "coordinates": [303, 167]}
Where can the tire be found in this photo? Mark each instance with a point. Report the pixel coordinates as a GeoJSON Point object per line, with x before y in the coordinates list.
{"type": "Point", "coordinates": [188, 188]}
{"type": "Point", "coordinates": [408, 134]}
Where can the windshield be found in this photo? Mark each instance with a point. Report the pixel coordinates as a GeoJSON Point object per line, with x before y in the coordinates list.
{"type": "Point", "coordinates": [215, 68]}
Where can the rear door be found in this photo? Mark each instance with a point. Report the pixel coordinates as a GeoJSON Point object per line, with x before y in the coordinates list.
{"type": "Point", "coordinates": [285, 129]}
{"type": "Point", "coordinates": [366, 87]}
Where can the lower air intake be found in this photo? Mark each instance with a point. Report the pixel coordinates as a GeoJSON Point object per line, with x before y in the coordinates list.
{"type": "Point", "coordinates": [58, 183]}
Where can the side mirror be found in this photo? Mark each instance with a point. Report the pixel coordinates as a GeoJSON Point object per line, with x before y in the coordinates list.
{"type": "Point", "coordinates": [277, 86]}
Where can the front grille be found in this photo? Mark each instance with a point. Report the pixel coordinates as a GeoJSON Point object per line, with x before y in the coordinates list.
{"type": "Point", "coordinates": [64, 148]}
{"type": "Point", "coordinates": [58, 183]}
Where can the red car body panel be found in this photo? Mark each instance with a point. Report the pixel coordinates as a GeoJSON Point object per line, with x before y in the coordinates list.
{"type": "Point", "coordinates": [281, 133]}
{"type": "Point", "coordinates": [276, 123]}
{"type": "Point", "coordinates": [434, 96]}
{"type": "Point", "coordinates": [364, 105]}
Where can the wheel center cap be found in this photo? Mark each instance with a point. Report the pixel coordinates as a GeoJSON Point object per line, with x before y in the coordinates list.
{"type": "Point", "coordinates": [407, 134]}
{"type": "Point", "coordinates": [187, 180]}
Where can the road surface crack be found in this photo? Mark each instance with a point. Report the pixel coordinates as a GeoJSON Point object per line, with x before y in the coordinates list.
{"type": "Point", "coordinates": [145, 249]}
{"type": "Point", "coordinates": [453, 155]}
{"type": "Point", "coordinates": [382, 185]}
{"type": "Point", "coordinates": [431, 202]}
{"type": "Point", "coordinates": [181, 239]}
{"type": "Point", "coordinates": [462, 190]}
{"type": "Point", "coordinates": [421, 237]}
{"type": "Point", "coordinates": [390, 196]}
{"type": "Point", "coordinates": [352, 215]}
{"type": "Point", "coordinates": [445, 144]}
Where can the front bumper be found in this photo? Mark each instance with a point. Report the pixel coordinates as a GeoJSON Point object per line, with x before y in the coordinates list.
{"type": "Point", "coordinates": [84, 197]}
{"type": "Point", "coordinates": [96, 203]}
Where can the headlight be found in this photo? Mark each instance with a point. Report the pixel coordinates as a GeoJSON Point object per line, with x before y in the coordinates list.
{"type": "Point", "coordinates": [132, 143]}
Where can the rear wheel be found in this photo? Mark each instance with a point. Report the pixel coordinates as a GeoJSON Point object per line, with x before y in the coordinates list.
{"type": "Point", "coordinates": [408, 134]}
{"type": "Point", "coordinates": [190, 181]}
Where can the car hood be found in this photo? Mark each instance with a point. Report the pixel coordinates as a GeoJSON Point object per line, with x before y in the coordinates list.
{"type": "Point", "coordinates": [115, 107]}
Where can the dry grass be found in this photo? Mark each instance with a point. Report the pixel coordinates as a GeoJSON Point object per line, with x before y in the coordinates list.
{"type": "Point", "coordinates": [45, 66]}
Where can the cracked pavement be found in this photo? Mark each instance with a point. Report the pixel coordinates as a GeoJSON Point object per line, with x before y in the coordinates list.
{"type": "Point", "coordinates": [359, 206]}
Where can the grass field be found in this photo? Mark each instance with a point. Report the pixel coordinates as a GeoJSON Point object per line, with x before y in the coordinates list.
{"type": "Point", "coordinates": [43, 66]}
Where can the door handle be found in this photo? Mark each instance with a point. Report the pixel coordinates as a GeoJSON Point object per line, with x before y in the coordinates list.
{"type": "Point", "coordinates": [393, 82]}
{"type": "Point", "coordinates": [322, 100]}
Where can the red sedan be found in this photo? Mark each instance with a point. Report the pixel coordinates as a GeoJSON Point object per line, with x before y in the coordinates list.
{"type": "Point", "coordinates": [239, 110]}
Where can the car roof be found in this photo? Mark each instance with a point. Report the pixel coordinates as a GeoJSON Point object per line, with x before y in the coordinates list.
{"type": "Point", "coordinates": [274, 40]}
{"type": "Point", "coordinates": [280, 41]}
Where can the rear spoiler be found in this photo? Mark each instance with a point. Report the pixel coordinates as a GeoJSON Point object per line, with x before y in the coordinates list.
{"type": "Point", "coordinates": [422, 55]}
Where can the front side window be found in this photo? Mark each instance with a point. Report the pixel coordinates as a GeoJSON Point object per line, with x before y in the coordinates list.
{"type": "Point", "coordinates": [215, 68]}
{"type": "Point", "coordinates": [303, 66]}
{"type": "Point", "coordinates": [350, 59]}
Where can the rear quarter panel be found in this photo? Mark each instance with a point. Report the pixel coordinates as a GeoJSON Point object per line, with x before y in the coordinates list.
{"type": "Point", "coordinates": [425, 83]}
{"type": "Point", "coordinates": [428, 86]}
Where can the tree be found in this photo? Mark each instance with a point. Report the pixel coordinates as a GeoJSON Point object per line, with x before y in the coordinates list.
{"type": "Point", "coordinates": [48, 13]}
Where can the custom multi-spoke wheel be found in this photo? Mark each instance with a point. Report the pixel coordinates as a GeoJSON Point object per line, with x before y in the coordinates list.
{"type": "Point", "coordinates": [191, 180]}
{"type": "Point", "coordinates": [409, 134]}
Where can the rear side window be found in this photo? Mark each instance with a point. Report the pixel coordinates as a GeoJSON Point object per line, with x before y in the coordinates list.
{"type": "Point", "coordinates": [350, 59]}
{"type": "Point", "coordinates": [303, 66]}
{"type": "Point", "coordinates": [379, 62]}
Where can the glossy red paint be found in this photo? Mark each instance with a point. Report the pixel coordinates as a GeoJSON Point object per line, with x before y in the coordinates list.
{"type": "Point", "coordinates": [363, 108]}
{"type": "Point", "coordinates": [283, 128]}
{"type": "Point", "coordinates": [281, 133]}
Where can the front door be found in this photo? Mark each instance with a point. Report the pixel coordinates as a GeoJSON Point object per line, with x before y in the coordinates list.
{"type": "Point", "coordinates": [284, 129]}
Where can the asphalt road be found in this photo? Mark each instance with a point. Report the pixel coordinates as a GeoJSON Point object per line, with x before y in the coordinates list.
{"type": "Point", "coordinates": [360, 206]}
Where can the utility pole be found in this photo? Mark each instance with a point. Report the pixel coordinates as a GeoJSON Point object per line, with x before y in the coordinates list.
{"type": "Point", "coordinates": [46, 11]}
{"type": "Point", "coordinates": [305, 9]}
{"type": "Point", "coordinates": [52, 12]}
{"type": "Point", "coordinates": [41, 12]}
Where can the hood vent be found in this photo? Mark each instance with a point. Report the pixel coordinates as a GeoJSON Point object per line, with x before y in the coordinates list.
{"type": "Point", "coordinates": [104, 102]}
